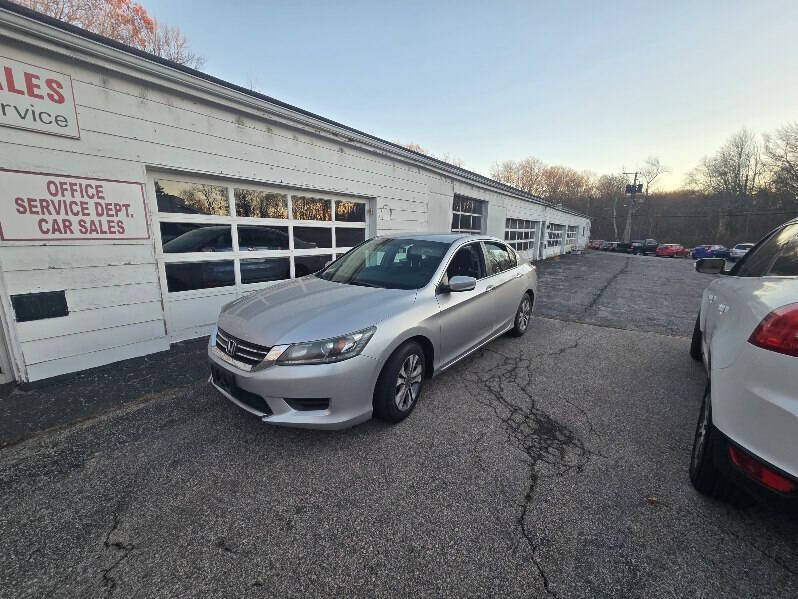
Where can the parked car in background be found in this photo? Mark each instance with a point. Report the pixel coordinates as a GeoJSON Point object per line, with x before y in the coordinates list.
{"type": "Point", "coordinates": [746, 334]}
{"type": "Point", "coordinates": [644, 246]}
{"type": "Point", "coordinates": [361, 336]}
{"type": "Point", "coordinates": [625, 248]}
{"type": "Point", "coordinates": [595, 244]}
{"type": "Point", "coordinates": [608, 246]}
{"type": "Point", "coordinates": [710, 251]}
{"type": "Point", "coordinates": [700, 251]}
{"type": "Point", "coordinates": [672, 250]}
{"type": "Point", "coordinates": [739, 250]}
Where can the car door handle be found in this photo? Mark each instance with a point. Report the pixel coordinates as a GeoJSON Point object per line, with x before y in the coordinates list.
{"type": "Point", "coordinates": [489, 288]}
{"type": "Point", "coordinates": [519, 276]}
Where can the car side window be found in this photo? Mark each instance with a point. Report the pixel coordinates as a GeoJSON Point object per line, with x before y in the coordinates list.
{"type": "Point", "coordinates": [786, 264]}
{"type": "Point", "coordinates": [499, 257]}
{"type": "Point", "coordinates": [757, 261]}
{"type": "Point", "coordinates": [467, 262]}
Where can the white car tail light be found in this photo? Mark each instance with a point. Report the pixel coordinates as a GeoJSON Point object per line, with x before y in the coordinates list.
{"type": "Point", "coordinates": [778, 331]}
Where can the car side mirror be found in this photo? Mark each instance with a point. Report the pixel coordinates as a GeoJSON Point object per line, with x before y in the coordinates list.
{"type": "Point", "coordinates": [710, 266]}
{"type": "Point", "coordinates": [460, 283]}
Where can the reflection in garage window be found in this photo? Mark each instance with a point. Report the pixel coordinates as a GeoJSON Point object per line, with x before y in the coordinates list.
{"type": "Point", "coordinates": [554, 235]}
{"type": "Point", "coordinates": [312, 237]}
{"type": "Point", "coordinates": [191, 198]}
{"type": "Point", "coordinates": [184, 276]}
{"type": "Point", "coordinates": [304, 265]}
{"type": "Point", "coordinates": [346, 237]}
{"type": "Point", "coordinates": [260, 270]}
{"type": "Point", "coordinates": [350, 212]}
{"type": "Point", "coordinates": [251, 238]}
{"type": "Point", "coordinates": [306, 208]}
{"type": "Point", "coordinates": [467, 215]}
{"type": "Point", "coordinates": [190, 237]}
{"type": "Point", "coordinates": [260, 204]}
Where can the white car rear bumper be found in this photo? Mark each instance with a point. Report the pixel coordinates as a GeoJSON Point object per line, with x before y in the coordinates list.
{"type": "Point", "coordinates": [755, 404]}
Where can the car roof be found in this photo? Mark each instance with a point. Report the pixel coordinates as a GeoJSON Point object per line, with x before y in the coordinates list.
{"type": "Point", "coordinates": [442, 237]}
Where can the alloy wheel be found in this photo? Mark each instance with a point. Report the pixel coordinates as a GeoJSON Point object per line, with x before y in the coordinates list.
{"type": "Point", "coordinates": [701, 434]}
{"type": "Point", "coordinates": [408, 382]}
{"type": "Point", "coordinates": [524, 312]}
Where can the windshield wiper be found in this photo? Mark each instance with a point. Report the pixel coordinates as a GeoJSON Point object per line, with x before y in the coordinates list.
{"type": "Point", "coordinates": [363, 284]}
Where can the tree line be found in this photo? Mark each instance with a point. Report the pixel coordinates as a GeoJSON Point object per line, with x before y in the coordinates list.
{"type": "Point", "coordinates": [742, 191]}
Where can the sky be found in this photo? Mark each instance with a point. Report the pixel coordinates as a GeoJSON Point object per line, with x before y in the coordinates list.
{"type": "Point", "coordinates": [596, 86]}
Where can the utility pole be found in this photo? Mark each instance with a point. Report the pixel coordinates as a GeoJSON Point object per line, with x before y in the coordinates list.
{"type": "Point", "coordinates": [631, 191]}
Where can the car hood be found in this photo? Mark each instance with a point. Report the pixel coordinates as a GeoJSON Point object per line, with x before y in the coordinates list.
{"type": "Point", "coordinates": [310, 308]}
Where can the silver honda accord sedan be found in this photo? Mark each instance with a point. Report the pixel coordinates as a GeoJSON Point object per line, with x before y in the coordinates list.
{"type": "Point", "coordinates": [360, 337]}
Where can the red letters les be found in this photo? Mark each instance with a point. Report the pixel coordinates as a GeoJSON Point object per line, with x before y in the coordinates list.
{"type": "Point", "coordinates": [32, 85]}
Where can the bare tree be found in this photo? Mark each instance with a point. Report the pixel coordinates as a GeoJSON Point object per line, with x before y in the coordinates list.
{"type": "Point", "coordinates": [526, 174]}
{"type": "Point", "coordinates": [735, 169]}
{"type": "Point", "coordinates": [781, 150]}
{"type": "Point", "coordinates": [609, 189]}
{"type": "Point", "coordinates": [414, 147]}
{"type": "Point", "coordinates": [170, 43]}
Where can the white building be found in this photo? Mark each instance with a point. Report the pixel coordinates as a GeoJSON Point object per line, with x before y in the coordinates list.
{"type": "Point", "coordinates": [137, 197]}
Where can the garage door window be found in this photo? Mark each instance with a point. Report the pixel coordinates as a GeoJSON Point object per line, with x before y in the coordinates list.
{"type": "Point", "coordinates": [570, 235]}
{"type": "Point", "coordinates": [261, 204]}
{"type": "Point", "coordinates": [554, 235]}
{"type": "Point", "coordinates": [215, 235]}
{"type": "Point", "coordinates": [191, 198]}
{"type": "Point", "coordinates": [520, 233]}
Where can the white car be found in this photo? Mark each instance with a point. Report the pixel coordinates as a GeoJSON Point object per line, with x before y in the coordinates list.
{"type": "Point", "coordinates": [746, 334]}
{"type": "Point", "coordinates": [739, 250]}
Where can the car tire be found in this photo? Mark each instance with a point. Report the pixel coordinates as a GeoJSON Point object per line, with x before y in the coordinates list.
{"type": "Point", "coordinates": [522, 317]}
{"type": "Point", "coordinates": [405, 368]}
{"type": "Point", "coordinates": [705, 475]}
{"type": "Point", "coordinates": [695, 343]}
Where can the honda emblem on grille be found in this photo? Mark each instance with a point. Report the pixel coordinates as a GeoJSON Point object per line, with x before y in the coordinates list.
{"type": "Point", "coordinates": [232, 345]}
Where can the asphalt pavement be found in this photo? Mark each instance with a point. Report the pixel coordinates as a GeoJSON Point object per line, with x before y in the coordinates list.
{"type": "Point", "coordinates": [551, 465]}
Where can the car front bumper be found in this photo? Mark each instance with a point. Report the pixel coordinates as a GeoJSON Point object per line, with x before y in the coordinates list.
{"type": "Point", "coordinates": [347, 385]}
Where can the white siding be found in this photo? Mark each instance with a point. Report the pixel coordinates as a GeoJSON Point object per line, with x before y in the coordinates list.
{"type": "Point", "coordinates": [133, 125]}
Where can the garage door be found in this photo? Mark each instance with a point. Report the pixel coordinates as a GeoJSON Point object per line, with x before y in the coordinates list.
{"type": "Point", "coordinates": [217, 241]}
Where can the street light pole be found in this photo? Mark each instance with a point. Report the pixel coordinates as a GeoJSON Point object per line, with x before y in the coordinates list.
{"type": "Point", "coordinates": [631, 191]}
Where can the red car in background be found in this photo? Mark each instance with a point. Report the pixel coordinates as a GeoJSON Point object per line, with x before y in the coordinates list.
{"type": "Point", "coordinates": [672, 250]}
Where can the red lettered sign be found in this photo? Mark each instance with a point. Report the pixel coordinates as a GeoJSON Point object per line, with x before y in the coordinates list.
{"type": "Point", "coordinates": [42, 207]}
{"type": "Point", "coordinates": [36, 98]}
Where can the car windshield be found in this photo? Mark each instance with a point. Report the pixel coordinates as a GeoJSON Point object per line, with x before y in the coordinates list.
{"type": "Point", "coordinates": [389, 263]}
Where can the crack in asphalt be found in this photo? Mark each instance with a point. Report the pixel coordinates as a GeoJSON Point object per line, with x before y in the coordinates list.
{"type": "Point", "coordinates": [604, 287]}
{"type": "Point", "coordinates": [544, 440]}
{"type": "Point", "coordinates": [109, 582]}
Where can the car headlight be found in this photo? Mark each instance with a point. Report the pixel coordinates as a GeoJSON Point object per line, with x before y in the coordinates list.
{"type": "Point", "coordinates": [326, 351]}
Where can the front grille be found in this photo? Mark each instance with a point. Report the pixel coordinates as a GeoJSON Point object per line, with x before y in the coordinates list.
{"type": "Point", "coordinates": [243, 351]}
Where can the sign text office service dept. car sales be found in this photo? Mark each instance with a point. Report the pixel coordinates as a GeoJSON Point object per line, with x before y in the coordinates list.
{"type": "Point", "coordinates": [37, 99]}
{"type": "Point", "coordinates": [42, 207]}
